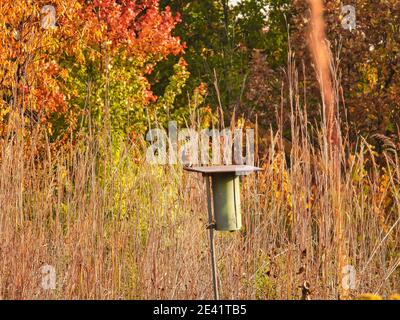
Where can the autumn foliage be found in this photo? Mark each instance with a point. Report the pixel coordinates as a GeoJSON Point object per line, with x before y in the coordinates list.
{"type": "Point", "coordinates": [52, 69]}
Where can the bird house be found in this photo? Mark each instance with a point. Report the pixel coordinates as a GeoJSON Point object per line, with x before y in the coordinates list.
{"type": "Point", "coordinates": [225, 185]}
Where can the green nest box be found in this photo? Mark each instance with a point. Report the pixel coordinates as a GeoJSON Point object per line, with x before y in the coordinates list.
{"type": "Point", "coordinates": [225, 182]}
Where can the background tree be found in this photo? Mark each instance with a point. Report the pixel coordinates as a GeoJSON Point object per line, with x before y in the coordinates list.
{"type": "Point", "coordinates": [91, 69]}
{"type": "Point", "coordinates": [367, 61]}
{"type": "Point", "coordinates": [247, 41]}
{"type": "Point", "coordinates": [227, 36]}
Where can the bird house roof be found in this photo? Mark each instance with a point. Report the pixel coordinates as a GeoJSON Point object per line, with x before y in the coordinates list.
{"type": "Point", "coordinates": [240, 170]}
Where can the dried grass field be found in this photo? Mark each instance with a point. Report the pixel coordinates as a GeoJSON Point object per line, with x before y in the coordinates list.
{"type": "Point", "coordinates": [80, 202]}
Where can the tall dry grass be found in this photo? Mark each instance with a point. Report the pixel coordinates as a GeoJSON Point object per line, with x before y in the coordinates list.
{"type": "Point", "coordinates": [115, 227]}
{"type": "Point", "coordinates": [325, 71]}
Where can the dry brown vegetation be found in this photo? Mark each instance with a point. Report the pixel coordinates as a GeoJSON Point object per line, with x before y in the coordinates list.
{"type": "Point", "coordinates": [114, 227]}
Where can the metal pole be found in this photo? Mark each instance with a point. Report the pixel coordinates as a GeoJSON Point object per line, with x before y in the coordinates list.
{"type": "Point", "coordinates": [211, 227]}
